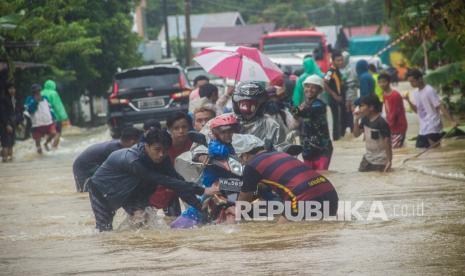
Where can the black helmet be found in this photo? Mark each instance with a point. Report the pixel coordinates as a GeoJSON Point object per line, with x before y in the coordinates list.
{"type": "Point", "coordinates": [248, 99]}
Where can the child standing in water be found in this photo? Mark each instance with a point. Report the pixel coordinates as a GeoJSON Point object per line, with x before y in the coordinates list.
{"type": "Point", "coordinates": [220, 148]}
{"type": "Point", "coordinates": [378, 156]}
{"type": "Point", "coordinates": [395, 111]}
{"type": "Point", "coordinates": [314, 132]}
{"type": "Point", "coordinates": [41, 117]}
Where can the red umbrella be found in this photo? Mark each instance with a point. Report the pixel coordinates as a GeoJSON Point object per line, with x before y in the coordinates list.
{"type": "Point", "coordinates": [239, 63]}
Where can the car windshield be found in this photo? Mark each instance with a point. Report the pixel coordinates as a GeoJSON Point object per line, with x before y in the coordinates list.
{"type": "Point", "coordinates": [155, 78]}
{"type": "Point", "coordinates": [291, 44]}
{"type": "Point", "coordinates": [192, 73]}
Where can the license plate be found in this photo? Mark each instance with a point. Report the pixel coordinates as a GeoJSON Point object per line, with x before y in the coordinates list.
{"type": "Point", "coordinates": [230, 184]}
{"type": "Point", "coordinates": [151, 103]}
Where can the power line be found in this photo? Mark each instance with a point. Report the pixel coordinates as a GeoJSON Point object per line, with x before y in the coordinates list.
{"type": "Point", "coordinates": [254, 11]}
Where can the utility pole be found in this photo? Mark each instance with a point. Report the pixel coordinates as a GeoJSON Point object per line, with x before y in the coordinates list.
{"type": "Point", "coordinates": [178, 39]}
{"type": "Point", "coordinates": [167, 33]}
{"type": "Point", "coordinates": [188, 41]}
{"type": "Point", "coordinates": [425, 54]}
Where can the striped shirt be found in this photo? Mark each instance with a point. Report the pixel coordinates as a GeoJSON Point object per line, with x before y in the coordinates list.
{"type": "Point", "coordinates": [288, 176]}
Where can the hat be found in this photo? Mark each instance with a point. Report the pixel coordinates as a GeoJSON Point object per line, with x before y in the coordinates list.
{"type": "Point", "coordinates": [314, 79]}
{"type": "Point", "coordinates": [244, 143]}
{"type": "Point", "coordinates": [36, 87]}
{"type": "Point", "coordinates": [224, 121]}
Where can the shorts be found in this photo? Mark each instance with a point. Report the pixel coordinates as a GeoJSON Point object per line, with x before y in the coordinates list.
{"type": "Point", "coordinates": [423, 140]}
{"type": "Point", "coordinates": [366, 166]}
{"type": "Point", "coordinates": [321, 163]}
{"type": "Point", "coordinates": [58, 126]}
{"type": "Point", "coordinates": [7, 139]}
{"type": "Point", "coordinates": [397, 140]}
{"type": "Point", "coordinates": [41, 131]}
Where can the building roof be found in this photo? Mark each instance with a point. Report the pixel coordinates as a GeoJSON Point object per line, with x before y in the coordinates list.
{"type": "Point", "coordinates": [365, 30]}
{"type": "Point", "coordinates": [22, 65]}
{"type": "Point", "coordinates": [236, 35]}
{"type": "Point", "coordinates": [198, 22]}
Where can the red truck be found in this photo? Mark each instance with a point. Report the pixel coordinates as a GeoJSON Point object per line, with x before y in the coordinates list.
{"type": "Point", "coordinates": [297, 43]}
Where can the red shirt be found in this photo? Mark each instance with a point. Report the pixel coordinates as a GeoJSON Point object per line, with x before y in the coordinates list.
{"type": "Point", "coordinates": [162, 197]}
{"type": "Point", "coordinates": [395, 112]}
{"type": "Point", "coordinates": [175, 152]}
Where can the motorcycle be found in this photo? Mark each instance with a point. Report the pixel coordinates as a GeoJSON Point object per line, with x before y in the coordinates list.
{"type": "Point", "coordinates": [230, 181]}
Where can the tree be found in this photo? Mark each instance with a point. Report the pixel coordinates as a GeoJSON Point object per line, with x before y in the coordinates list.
{"type": "Point", "coordinates": [82, 41]}
{"type": "Point", "coordinates": [441, 28]}
{"type": "Point", "coordinates": [445, 43]}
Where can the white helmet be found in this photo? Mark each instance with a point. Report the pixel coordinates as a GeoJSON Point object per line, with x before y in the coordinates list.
{"type": "Point", "coordinates": [244, 143]}
{"type": "Point", "coordinates": [314, 79]}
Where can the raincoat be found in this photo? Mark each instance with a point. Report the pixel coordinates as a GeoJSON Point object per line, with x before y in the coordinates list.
{"type": "Point", "coordinates": [367, 83]}
{"type": "Point", "coordinates": [55, 101]}
{"type": "Point", "coordinates": [378, 90]}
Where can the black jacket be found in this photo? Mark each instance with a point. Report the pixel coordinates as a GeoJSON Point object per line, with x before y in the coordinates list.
{"type": "Point", "coordinates": [131, 174]}
{"type": "Point", "coordinates": [90, 159]}
{"type": "Point", "coordinates": [10, 114]}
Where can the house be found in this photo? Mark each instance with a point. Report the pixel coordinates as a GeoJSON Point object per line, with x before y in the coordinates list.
{"type": "Point", "coordinates": [244, 35]}
{"type": "Point", "coordinates": [177, 24]}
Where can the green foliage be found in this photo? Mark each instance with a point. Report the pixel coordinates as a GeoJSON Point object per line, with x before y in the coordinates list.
{"type": "Point", "coordinates": [447, 73]}
{"type": "Point", "coordinates": [82, 41]}
{"type": "Point", "coordinates": [178, 48]}
{"type": "Point", "coordinates": [441, 25]}
{"type": "Point", "coordinates": [283, 15]}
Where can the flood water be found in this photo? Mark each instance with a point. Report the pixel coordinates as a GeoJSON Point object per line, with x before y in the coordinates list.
{"type": "Point", "coordinates": [47, 228]}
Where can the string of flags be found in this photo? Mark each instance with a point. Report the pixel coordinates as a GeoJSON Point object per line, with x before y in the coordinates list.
{"type": "Point", "coordinates": [397, 41]}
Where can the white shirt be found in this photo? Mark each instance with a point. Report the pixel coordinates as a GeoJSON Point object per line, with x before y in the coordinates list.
{"type": "Point", "coordinates": [428, 102]}
{"type": "Point", "coordinates": [43, 115]}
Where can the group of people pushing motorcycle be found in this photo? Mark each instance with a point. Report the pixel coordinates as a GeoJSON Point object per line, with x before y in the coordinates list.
{"type": "Point", "coordinates": [243, 156]}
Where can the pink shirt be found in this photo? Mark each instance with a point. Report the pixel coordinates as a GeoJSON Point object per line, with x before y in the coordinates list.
{"type": "Point", "coordinates": [194, 94]}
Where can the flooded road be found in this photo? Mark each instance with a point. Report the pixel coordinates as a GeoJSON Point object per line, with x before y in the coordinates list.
{"type": "Point", "coordinates": [47, 228]}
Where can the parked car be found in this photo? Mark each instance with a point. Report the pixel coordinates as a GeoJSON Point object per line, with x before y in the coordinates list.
{"type": "Point", "coordinates": [147, 92]}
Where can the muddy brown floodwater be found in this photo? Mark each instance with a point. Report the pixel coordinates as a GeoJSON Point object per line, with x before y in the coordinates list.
{"type": "Point", "coordinates": [47, 228]}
